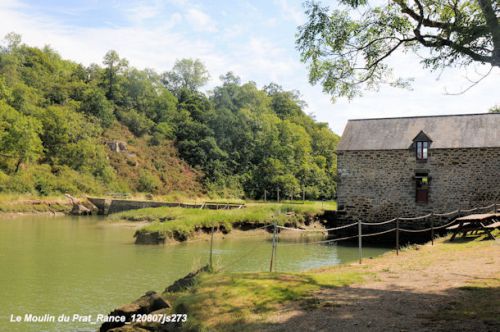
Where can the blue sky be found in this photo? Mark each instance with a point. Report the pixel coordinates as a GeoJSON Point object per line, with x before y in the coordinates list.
{"type": "Point", "coordinates": [254, 39]}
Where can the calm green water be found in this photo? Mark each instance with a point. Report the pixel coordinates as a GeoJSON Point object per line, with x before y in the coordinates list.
{"type": "Point", "coordinates": [68, 265]}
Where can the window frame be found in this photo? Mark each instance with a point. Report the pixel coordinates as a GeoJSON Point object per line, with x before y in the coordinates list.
{"type": "Point", "coordinates": [422, 150]}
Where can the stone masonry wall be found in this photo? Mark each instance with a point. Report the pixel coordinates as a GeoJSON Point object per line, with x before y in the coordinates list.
{"type": "Point", "coordinates": [379, 185]}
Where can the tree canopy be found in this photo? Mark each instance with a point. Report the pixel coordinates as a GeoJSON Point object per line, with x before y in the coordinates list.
{"type": "Point", "coordinates": [347, 48]}
{"type": "Point", "coordinates": [56, 117]}
{"type": "Point", "coordinates": [188, 74]}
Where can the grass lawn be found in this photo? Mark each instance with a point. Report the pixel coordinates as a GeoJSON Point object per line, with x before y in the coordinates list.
{"type": "Point", "coordinates": [251, 301]}
{"type": "Point", "coordinates": [220, 301]}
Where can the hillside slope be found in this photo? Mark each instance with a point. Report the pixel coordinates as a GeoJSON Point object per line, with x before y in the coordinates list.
{"type": "Point", "coordinates": [146, 168]}
{"type": "Point", "coordinates": [66, 127]}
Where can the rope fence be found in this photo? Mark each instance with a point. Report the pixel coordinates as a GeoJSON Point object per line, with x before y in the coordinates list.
{"type": "Point", "coordinates": [360, 235]}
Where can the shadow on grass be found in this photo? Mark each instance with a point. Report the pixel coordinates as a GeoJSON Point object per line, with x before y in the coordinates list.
{"type": "Point", "coordinates": [469, 308]}
{"type": "Point", "coordinates": [468, 238]}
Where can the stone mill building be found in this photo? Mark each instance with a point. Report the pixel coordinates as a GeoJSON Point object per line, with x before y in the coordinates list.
{"type": "Point", "coordinates": [411, 166]}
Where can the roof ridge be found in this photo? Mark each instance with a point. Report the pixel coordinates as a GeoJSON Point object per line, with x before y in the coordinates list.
{"type": "Point", "coordinates": [425, 116]}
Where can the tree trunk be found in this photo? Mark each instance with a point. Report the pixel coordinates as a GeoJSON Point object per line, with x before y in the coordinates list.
{"type": "Point", "coordinates": [494, 27]}
{"type": "Point", "coordinates": [18, 165]}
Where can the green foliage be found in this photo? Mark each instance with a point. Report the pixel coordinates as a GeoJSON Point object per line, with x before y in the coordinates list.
{"type": "Point", "coordinates": [161, 132]}
{"type": "Point", "coordinates": [114, 66]}
{"type": "Point", "coordinates": [138, 123]}
{"type": "Point", "coordinates": [240, 140]}
{"type": "Point", "coordinates": [186, 74]}
{"type": "Point", "coordinates": [43, 180]}
{"type": "Point", "coordinates": [95, 103]}
{"type": "Point", "coordinates": [190, 220]}
{"type": "Point", "coordinates": [19, 136]}
{"type": "Point", "coordinates": [347, 48]}
{"type": "Point", "coordinates": [495, 109]}
{"type": "Point", "coordinates": [148, 182]}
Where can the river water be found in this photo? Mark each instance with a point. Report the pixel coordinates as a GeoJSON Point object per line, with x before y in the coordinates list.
{"type": "Point", "coordinates": [71, 265]}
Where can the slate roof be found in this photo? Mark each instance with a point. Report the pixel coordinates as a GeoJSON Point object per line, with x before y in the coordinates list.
{"type": "Point", "coordinates": [445, 131]}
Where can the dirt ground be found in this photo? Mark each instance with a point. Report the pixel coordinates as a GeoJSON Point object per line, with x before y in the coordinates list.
{"type": "Point", "coordinates": [429, 290]}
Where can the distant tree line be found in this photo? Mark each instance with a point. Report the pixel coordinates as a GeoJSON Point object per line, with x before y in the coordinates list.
{"type": "Point", "coordinates": [242, 139]}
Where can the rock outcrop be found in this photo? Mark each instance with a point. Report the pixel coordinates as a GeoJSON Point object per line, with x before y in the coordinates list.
{"type": "Point", "coordinates": [81, 208]}
{"type": "Point", "coordinates": [153, 304]}
{"type": "Point", "coordinates": [142, 237]}
{"type": "Point", "coordinates": [186, 282]}
{"type": "Point", "coordinates": [117, 146]}
{"type": "Point", "coordinates": [149, 303]}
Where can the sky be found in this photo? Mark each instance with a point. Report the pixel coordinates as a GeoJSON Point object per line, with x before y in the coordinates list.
{"type": "Point", "coordinates": [254, 39]}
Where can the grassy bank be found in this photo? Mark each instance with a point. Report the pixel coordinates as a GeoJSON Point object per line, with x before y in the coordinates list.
{"type": "Point", "coordinates": [451, 283]}
{"type": "Point", "coordinates": [181, 223]}
{"type": "Point", "coordinates": [23, 203]}
{"type": "Point", "coordinates": [231, 301]}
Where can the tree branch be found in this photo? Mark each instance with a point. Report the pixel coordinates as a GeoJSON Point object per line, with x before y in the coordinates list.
{"type": "Point", "coordinates": [474, 83]}
{"type": "Point", "coordinates": [493, 26]}
{"type": "Point", "coordinates": [420, 18]}
{"type": "Point", "coordinates": [439, 42]}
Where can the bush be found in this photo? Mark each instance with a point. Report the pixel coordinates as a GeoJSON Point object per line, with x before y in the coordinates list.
{"type": "Point", "coordinates": [148, 182]}
{"type": "Point", "coordinates": [4, 180]}
{"type": "Point", "coordinates": [45, 181]}
{"type": "Point", "coordinates": [138, 123]}
{"type": "Point", "coordinates": [95, 103]}
{"type": "Point", "coordinates": [162, 131]}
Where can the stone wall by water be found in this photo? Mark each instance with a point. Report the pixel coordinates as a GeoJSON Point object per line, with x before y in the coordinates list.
{"type": "Point", "coordinates": [380, 185]}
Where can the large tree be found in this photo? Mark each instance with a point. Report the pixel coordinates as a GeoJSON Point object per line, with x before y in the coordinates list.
{"type": "Point", "coordinates": [347, 48]}
{"type": "Point", "coordinates": [19, 136]}
{"type": "Point", "coordinates": [188, 74]}
{"type": "Point", "coordinates": [114, 65]}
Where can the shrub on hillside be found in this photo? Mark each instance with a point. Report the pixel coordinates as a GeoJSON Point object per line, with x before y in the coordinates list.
{"type": "Point", "coordinates": [148, 182]}
{"type": "Point", "coordinates": [42, 180]}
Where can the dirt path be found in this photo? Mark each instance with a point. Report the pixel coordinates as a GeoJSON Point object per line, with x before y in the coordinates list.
{"type": "Point", "coordinates": [415, 291]}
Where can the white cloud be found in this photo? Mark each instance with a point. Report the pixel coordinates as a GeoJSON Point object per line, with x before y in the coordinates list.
{"type": "Point", "coordinates": [258, 57]}
{"type": "Point", "coordinates": [141, 12]}
{"type": "Point", "coordinates": [200, 21]}
{"type": "Point", "coordinates": [292, 12]}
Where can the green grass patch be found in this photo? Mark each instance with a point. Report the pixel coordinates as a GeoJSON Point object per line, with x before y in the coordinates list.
{"type": "Point", "coordinates": [182, 223]}
{"type": "Point", "coordinates": [27, 203]}
{"type": "Point", "coordinates": [239, 301]}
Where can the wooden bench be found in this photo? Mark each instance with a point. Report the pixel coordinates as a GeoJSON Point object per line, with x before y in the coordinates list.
{"type": "Point", "coordinates": [452, 227]}
{"type": "Point", "coordinates": [474, 223]}
{"type": "Point", "coordinates": [493, 225]}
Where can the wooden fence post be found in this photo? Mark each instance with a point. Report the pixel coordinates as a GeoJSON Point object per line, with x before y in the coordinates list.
{"type": "Point", "coordinates": [360, 243]}
{"type": "Point", "coordinates": [397, 236]}
{"type": "Point", "coordinates": [272, 248]}
{"type": "Point", "coordinates": [211, 250]}
{"type": "Point", "coordinates": [432, 228]}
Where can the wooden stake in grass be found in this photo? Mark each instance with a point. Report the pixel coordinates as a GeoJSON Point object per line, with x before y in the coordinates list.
{"type": "Point", "coordinates": [211, 250]}
{"type": "Point", "coordinates": [273, 248]}
{"type": "Point", "coordinates": [360, 245]}
{"type": "Point", "coordinates": [432, 228]}
{"type": "Point", "coordinates": [397, 236]}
